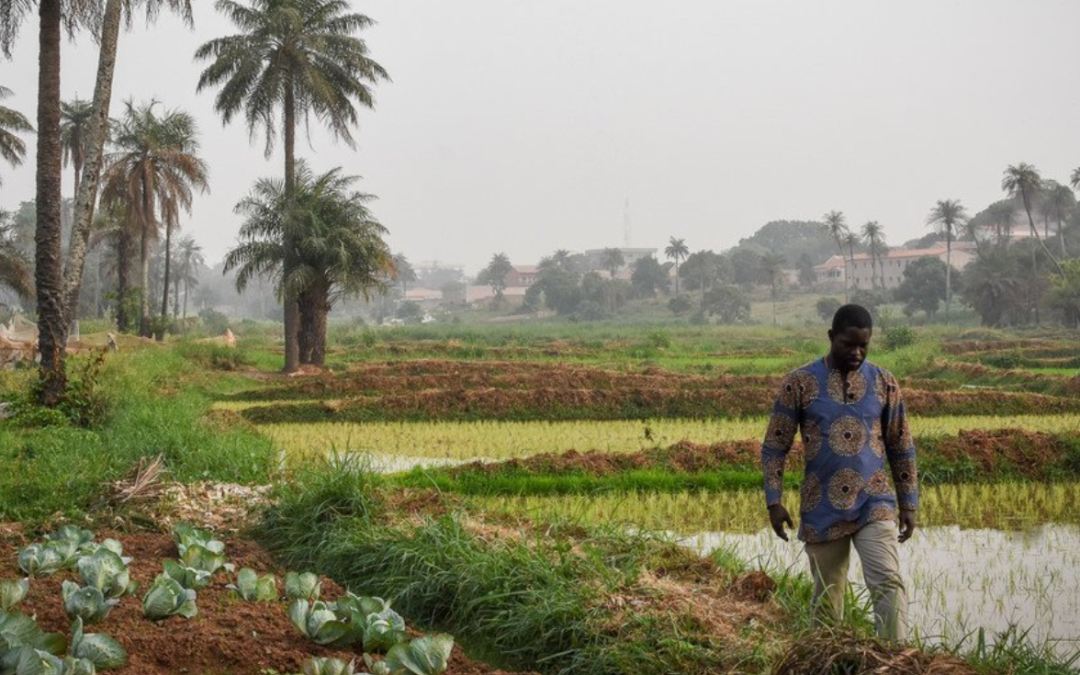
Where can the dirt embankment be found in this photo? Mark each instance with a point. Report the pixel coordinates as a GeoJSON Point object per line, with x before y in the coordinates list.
{"type": "Point", "coordinates": [227, 636]}
{"type": "Point", "coordinates": [1033, 455]}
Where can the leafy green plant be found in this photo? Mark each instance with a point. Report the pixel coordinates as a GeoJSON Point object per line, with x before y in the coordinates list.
{"type": "Point", "coordinates": [48, 558]}
{"type": "Point", "coordinates": [106, 571]}
{"type": "Point", "coordinates": [253, 588]}
{"type": "Point", "coordinates": [426, 655]}
{"type": "Point", "coordinates": [188, 577]}
{"type": "Point", "coordinates": [318, 623]}
{"type": "Point", "coordinates": [376, 667]}
{"type": "Point", "coordinates": [187, 535]}
{"type": "Point", "coordinates": [362, 605]}
{"type": "Point", "coordinates": [304, 586]}
{"type": "Point", "coordinates": [18, 634]}
{"type": "Point", "coordinates": [204, 559]}
{"type": "Point", "coordinates": [381, 631]}
{"type": "Point", "coordinates": [315, 665]}
{"type": "Point", "coordinates": [99, 649]}
{"type": "Point", "coordinates": [87, 602]}
{"type": "Point", "coordinates": [12, 593]}
{"type": "Point", "coordinates": [167, 597]}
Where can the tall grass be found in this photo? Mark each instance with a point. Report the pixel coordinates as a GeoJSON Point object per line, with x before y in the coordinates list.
{"type": "Point", "coordinates": [155, 409]}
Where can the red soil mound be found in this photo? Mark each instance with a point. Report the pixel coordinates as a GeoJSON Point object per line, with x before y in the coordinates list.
{"type": "Point", "coordinates": [1028, 452]}
{"type": "Point", "coordinates": [227, 635]}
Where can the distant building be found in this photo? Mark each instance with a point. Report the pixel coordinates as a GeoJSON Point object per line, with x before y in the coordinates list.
{"type": "Point", "coordinates": [833, 272]}
{"type": "Point", "coordinates": [474, 294]}
{"type": "Point", "coordinates": [521, 276]}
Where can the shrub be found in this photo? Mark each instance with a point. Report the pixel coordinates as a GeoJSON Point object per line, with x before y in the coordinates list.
{"type": "Point", "coordinates": [899, 336]}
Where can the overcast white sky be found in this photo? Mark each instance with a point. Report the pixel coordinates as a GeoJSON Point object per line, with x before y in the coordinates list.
{"type": "Point", "coordinates": [523, 125]}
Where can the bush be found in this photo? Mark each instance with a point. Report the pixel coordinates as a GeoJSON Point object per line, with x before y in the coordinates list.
{"type": "Point", "coordinates": [680, 304]}
{"type": "Point", "coordinates": [216, 323]}
{"type": "Point", "coordinates": [826, 308]}
{"type": "Point", "coordinates": [899, 336]}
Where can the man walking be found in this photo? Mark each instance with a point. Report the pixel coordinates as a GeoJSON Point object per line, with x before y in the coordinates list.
{"type": "Point", "coordinates": [852, 419]}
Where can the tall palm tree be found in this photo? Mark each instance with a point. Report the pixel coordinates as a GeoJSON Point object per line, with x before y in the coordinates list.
{"type": "Point", "coordinates": [1002, 214]}
{"type": "Point", "coordinates": [74, 123]}
{"type": "Point", "coordinates": [1074, 179]}
{"type": "Point", "coordinates": [1023, 180]}
{"type": "Point", "coordinates": [851, 240]}
{"type": "Point", "coordinates": [154, 170]}
{"type": "Point", "coordinates": [837, 229]}
{"type": "Point", "coordinates": [947, 215]}
{"type": "Point", "coordinates": [12, 148]}
{"type": "Point", "coordinates": [339, 252]}
{"type": "Point", "coordinates": [612, 260]}
{"type": "Point", "coordinates": [190, 256]}
{"type": "Point", "coordinates": [299, 57]}
{"type": "Point", "coordinates": [874, 238]}
{"type": "Point", "coordinates": [53, 15]}
{"type": "Point", "coordinates": [96, 133]}
{"type": "Point", "coordinates": [772, 269]}
{"type": "Point", "coordinates": [404, 272]}
{"type": "Point", "coordinates": [1059, 203]}
{"type": "Point", "coordinates": [676, 250]}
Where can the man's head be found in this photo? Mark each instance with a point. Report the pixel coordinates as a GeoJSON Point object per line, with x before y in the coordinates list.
{"type": "Point", "coordinates": [849, 337]}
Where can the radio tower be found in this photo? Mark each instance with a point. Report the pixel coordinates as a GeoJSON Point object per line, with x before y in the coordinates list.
{"type": "Point", "coordinates": [627, 230]}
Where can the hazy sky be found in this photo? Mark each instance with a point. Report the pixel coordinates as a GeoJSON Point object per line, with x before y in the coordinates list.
{"type": "Point", "coordinates": [523, 125]}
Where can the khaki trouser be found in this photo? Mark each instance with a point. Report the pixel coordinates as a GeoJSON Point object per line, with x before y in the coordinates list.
{"type": "Point", "coordinates": [878, 550]}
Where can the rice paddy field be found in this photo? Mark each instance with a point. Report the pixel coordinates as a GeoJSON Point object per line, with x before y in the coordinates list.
{"type": "Point", "coordinates": [658, 430]}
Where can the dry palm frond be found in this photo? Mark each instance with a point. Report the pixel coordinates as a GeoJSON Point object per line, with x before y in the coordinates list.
{"type": "Point", "coordinates": [143, 484]}
{"type": "Point", "coordinates": [826, 653]}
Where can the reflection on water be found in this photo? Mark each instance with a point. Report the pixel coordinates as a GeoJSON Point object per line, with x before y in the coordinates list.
{"type": "Point", "coordinates": [961, 580]}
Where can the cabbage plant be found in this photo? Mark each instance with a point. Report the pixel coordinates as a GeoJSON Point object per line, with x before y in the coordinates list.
{"type": "Point", "coordinates": [315, 665]}
{"type": "Point", "coordinates": [19, 633]}
{"type": "Point", "coordinates": [304, 586]}
{"type": "Point", "coordinates": [380, 631]}
{"type": "Point", "coordinates": [12, 593]}
{"type": "Point", "coordinates": [426, 655]}
{"type": "Point", "coordinates": [73, 534]}
{"type": "Point", "coordinates": [106, 571]}
{"type": "Point", "coordinates": [253, 588]}
{"type": "Point", "coordinates": [48, 558]}
{"type": "Point", "coordinates": [87, 602]}
{"type": "Point", "coordinates": [376, 667]}
{"type": "Point", "coordinates": [318, 623]}
{"type": "Point", "coordinates": [204, 559]}
{"type": "Point", "coordinates": [99, 649]}
{"type": "Point", "coordinates": [188, 577]}
{"type": "Point", "coordinates": [188, 535]}
{"type": "Point", "coordinates": [167, 597]}
{"type": "Point", "coordinates": [359, 604]}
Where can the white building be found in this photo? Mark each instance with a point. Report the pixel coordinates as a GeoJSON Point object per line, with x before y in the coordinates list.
{"type": "Point", "coordinates": [833, 273]}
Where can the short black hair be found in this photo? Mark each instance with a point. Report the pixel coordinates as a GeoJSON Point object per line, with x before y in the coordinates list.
{"type": "Point", "coordinates": [852, 316]}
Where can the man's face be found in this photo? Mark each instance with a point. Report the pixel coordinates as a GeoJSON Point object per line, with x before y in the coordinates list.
{"type": "Point", "coordinates": [849, 347]}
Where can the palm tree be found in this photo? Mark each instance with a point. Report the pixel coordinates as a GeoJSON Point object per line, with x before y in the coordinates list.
{"type": "Point", "coordinates": [15, 271]}
{"type": "Point", "coordinates": [874, 237]}
{"type": "Point", "coordinates": [1059, 202]}
{"type": "Point", "coordinates": [190, 256]}
{"type": "Point", "coordinates": [837, 229]}
{"type": "Point", "coordinates": [676, 250]}
{"type": "Point", "coordinates": [53, 15]}
{"type": "Point", "coordinates": [1023, 180]}
{"type": "Point", "coordinates": [299, 57]}
{"type": "Point", "coordinates": [494, 274]}
{"type": "Point", "coordinates": [74, 121]}
{"type": "Point", "coordinates": [153, 170]}
{"type": "Point", "coordinates": [947, 215]}
{"type": "Point", "coordinates": [612, 260]}
{"type": "Point", "coordinates": [339, 252]}
{"type": "Point", "coordinates": [404, 272]}
{"type": "Point", "coordinates": [851, 240]}
{"type": "Point", "coordinates": [1001, 214]}
{"type": "Point", "coordinates": [96, 133]}
{"type": "Point", "coordinates": [12, 148]}
{"type": "Point", "coordinates": [1074, 179]}
{"type": "Point", "coordinates": [772, 269]}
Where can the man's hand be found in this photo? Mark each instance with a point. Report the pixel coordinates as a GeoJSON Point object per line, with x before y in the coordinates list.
{"type": "Point", "coordinates": [779, 516]}
{"type": "Point", "coordinates": [907, 524]}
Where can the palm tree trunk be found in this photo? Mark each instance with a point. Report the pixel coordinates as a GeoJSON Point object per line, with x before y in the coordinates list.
{"type": "Point", "coordinates": [122, 271]}
{"type": "Point", "coordinates": [1035, 233]}
{"type": "Point", "coordinates": [948, 272]}
{"type": "Point", "coordinates": [52, 329]}
{"type": "Point", "coordinates": [168, 258]}
{"type": "Point", "coordinates": [851, 257]}
{"type": "Point", "coordinates": [144, 252]}
{"type": "Point", "coordinates": [176, 297]}
{"type": "Point", "coordinates": [1061, 235]}
{"type": "Point", "coordinates": [292, 310]}
{"type": "Point", "coordinates": [315, 302]}
{"type": "Point", "coordinates": [90, 165]}
{"type": "Point", "coordinates": [676, 276]}
{"type": "Point", "coordinates": [187, 285]}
